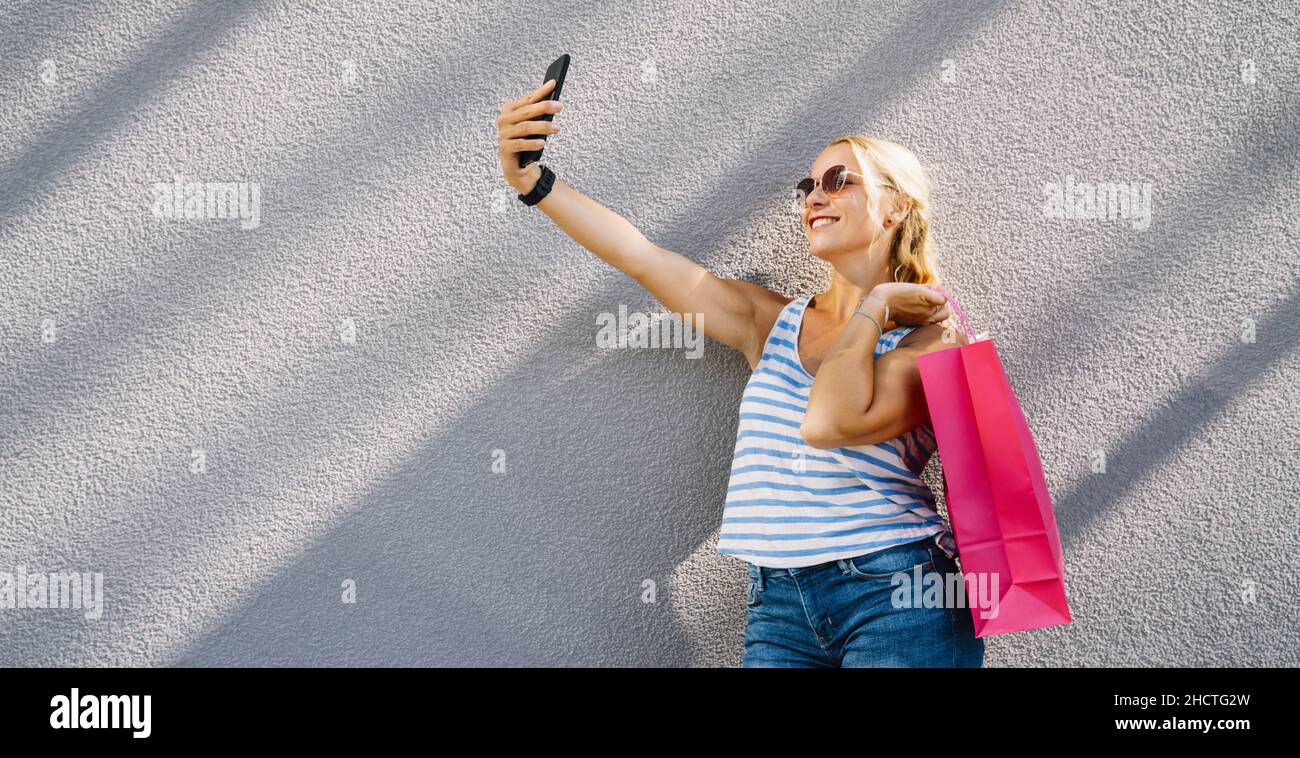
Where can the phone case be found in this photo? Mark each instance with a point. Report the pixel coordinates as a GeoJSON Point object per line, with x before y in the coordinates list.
{"type": "Point", "coordinates": [556, 71]}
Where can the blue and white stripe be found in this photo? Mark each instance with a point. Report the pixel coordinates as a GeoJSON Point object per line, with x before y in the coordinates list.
{"type": "Point", "coordinates": [789, 504]}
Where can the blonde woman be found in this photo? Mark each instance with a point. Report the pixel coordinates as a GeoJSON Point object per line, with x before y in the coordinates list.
{"type": "Point", "coordinates": [825, 504]}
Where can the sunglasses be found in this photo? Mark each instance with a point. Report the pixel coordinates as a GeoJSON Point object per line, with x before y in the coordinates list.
{"type": "Point", "coordinates": [835, 179]}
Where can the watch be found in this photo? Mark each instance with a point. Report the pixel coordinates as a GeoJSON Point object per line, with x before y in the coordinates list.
{"type": "Point", "coordinates": [541, 189]}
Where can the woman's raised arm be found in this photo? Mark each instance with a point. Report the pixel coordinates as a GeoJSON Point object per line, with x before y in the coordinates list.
{"type": "Point", "coordinates": [730, 311]}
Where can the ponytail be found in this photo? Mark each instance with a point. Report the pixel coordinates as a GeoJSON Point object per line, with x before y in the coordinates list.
{"type": "Point", "coordinates": [910, 253]}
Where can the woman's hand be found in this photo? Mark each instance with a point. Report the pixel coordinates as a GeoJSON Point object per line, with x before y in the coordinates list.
{"type": "Point", "coordinates": [912, 303]}
{"type": "Point", "coordinates": [844, 408]}
{"type": "Point", "coordinates": [515, 125]}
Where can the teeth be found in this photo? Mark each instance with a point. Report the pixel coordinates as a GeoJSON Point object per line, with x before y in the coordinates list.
{"type": "Point", "coordinates": [819, 223]}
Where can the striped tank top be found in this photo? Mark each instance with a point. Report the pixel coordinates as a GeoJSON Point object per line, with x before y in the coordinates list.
{"type": "Point", "coordinates": [789, 504]}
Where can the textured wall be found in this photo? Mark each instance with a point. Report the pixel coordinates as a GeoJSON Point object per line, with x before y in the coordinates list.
{"type": "Point", "coordinates": [232, 423]}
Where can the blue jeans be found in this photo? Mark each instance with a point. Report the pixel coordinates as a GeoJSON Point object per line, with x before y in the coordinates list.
{"type": "Point", "coordinates": [841, 613]}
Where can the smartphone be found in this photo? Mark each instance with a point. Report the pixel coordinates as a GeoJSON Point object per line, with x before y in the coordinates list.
{"type": "Point", "coordinates": [556, 71]}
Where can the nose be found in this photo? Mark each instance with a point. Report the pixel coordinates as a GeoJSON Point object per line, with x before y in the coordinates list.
{"type": "Point", "coordinates": [817, 198]}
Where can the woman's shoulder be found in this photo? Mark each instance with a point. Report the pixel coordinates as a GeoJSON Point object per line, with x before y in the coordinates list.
{"type": "Point", "coordinates": [769, 305]}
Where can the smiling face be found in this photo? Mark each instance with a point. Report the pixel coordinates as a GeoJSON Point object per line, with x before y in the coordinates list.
{"type": "Point", "coordinates": [852, 228]}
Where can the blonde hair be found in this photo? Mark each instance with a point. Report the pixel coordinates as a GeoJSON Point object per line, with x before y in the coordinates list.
{"type": "Point", "coordinates": [911, 256]}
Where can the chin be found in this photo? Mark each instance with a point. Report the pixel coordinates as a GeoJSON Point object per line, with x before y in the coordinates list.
{"type": "Point", "coordinates": [824, 251]}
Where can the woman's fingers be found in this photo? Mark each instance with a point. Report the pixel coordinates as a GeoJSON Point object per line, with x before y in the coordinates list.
{"type": "Point", "coordinates": [516, 130]}
{"type": "Point", "coordinates": [541, 91]}
{"type": "Point", "coordinates": [520, 145]}
{"type": "Point", "coordinates": [525, 112]}
{"type": "Point", "coordinates": [527, 128]}
{"type": "Point", "coordinates": [530, 97]}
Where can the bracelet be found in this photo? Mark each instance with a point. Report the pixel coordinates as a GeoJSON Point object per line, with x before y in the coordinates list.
{"type": "Point", "coordinates": [880, 332]}
{"type": "Point", "coordinates": [541, 189]}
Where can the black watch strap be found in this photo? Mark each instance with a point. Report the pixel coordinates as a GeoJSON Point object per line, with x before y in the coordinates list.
{"type": "Point", "coordinates": [541, 189]}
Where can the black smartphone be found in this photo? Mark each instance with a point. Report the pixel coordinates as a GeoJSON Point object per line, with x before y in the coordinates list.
{"type": "Point", "coordinates": [556, 71]}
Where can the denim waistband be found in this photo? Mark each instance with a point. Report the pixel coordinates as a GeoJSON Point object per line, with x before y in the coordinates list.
{"type": "Point", "coordinates": [840, 564]}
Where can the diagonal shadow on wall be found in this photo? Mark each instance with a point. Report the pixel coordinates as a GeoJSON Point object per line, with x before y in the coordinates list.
{"type": "Point", "coordinates": [1106, 305]}
{"type": "Point", "coordinates": [78, 363]}
{"type": "Point", "coordinates": [1158, 438]}
{"type": "Point", "coordinates": [103, 339]}
{"type": "Point", "coordinates": [113, 102]}
{"type": "Point", "coordinates": [92, 345]}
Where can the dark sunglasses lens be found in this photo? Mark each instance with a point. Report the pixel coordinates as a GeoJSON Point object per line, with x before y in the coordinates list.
{"type": "Point", "coordinates": [805, 186]}
{"type": "Point", "coordinates": [833, 179]}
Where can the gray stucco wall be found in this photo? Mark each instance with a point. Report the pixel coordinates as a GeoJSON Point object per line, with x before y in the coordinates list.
{"type": "Point", "coordinates": [230, 424]}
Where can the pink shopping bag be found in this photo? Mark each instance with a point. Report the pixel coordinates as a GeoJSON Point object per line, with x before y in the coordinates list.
{"type": "Point", "coordinates": [998, 502]}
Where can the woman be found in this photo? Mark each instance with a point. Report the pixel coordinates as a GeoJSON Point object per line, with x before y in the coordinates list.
{"type": "Point", "coordinates": [825, 503]}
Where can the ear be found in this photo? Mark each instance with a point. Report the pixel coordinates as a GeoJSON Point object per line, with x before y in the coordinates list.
{"type": "Point", "coordinates": [899, 209]}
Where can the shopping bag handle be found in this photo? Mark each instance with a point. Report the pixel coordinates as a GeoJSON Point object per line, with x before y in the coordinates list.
{"type": "Point", "coordinates": [966, 328]}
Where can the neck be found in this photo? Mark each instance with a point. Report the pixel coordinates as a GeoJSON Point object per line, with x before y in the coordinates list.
{"type": "Point", "coordinates": [851, 280]}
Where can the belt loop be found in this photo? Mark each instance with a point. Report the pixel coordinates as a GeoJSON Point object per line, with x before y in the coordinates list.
{"type": "Point", "coordinates": [760, 578]}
